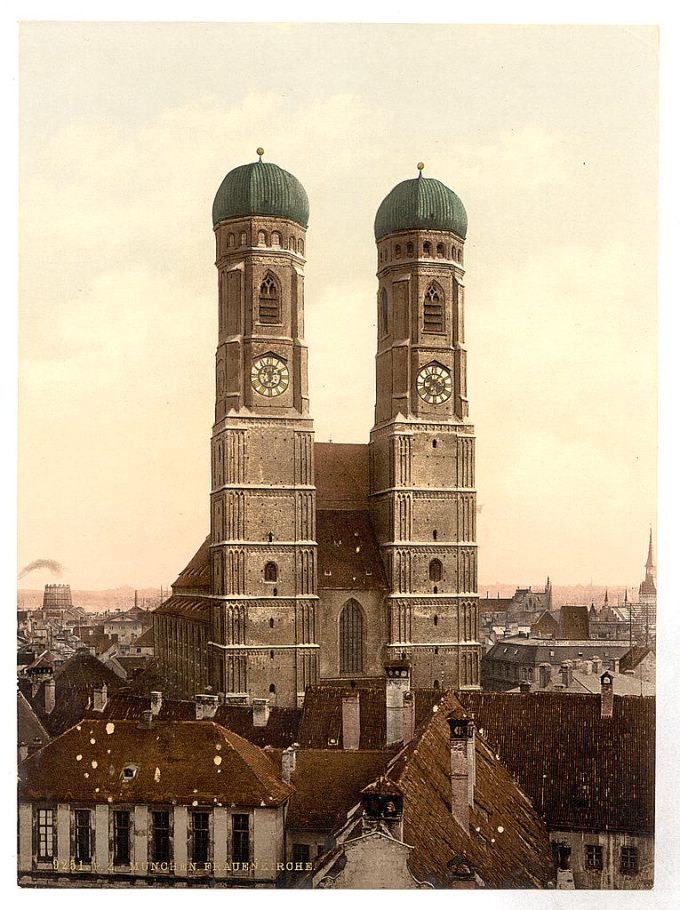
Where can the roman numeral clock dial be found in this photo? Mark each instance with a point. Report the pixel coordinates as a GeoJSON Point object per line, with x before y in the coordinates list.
{"type": "Point", "coordinates": [269, 376]}
{"type": "Point", "coordinates": [434, 384]}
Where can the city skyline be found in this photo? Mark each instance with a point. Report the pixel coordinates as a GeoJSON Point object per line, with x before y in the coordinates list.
{"type": "Point", "coordinates": [116, 346]}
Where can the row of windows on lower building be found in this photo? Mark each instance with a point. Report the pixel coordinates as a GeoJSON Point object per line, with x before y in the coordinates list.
{"type": "Point", "coordinates": [160, 836]}
{"type": "Point", "coordinates": [593, 858]}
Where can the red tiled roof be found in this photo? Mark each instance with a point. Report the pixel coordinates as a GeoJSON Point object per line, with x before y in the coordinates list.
{"type": "Point", "coordinates": [196, 609]}
{"type": "Point", "coordinates": [328, 783]}
{"type": "Point", "coordinates": [348, 551]}
{"type": "Point", "coordinates": [280, 731]}
{"type": "Point", "coordinates": [321, 726]}
{"type": "Point", "coordinates": [194, 762]}
{"type": "Point", "coordinates": [574, 621]}
{"type": "Point", "coordinates": [507, 843]}
{"type": "Point", "coordinates": [341, 475]}
{"type": "Point", "coordinates": [197, 573]}
{"type": "Point", "coordinates": [599, 772]}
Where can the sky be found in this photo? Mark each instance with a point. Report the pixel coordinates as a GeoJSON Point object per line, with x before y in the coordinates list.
{"type": "Point", "coordinates": [548, 135]}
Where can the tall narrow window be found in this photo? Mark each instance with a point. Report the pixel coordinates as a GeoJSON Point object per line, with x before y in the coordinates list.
{"type": "Point", "coordinates": [630, 860]}
{"type": "Point", "coordinates": [384, 311]}
{"type": "Point", "coordinates": [270, 305]}
{"type": "Point", "coordinates": [427, 249]}
{"type": "Point", "coordinates": [160, 836]}
{"type": "Point", "coordinates": [397, 251]}
{"type": "Point", "coordinates": [83, 835]}
{"type": "Point", "coordinates": [121, 838]}
{"type": "Point", "coordinates": [440, 251]}
{"type": "Point", "coordinates": [200, 837]}
{"type": "Point", "coordinates": [433, 311]}
{"type": "Point", "coordinates": [351, 638]}
{"type": "Point", "coordinates": [409, 249]}
{"type": "Point", "coordinates": [45, 834]}
{"type": "Point", "coordinates": [271, 572]}
{"type": "Point", "coordinates": [435, 570]}
{"type": "Point", "coordinates": [240, 838]}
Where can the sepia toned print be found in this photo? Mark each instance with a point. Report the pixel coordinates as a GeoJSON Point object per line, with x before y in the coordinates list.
{"type": "Point", "coordinates": [327, 696]}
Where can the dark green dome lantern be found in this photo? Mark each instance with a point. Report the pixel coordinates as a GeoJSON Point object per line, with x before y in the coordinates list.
{"type": "Point", "coordinates": [421, 204]}
{"type": "Point", "coordinates": [261, 188]}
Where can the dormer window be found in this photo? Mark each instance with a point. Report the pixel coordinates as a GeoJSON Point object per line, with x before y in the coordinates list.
{"type": "Point", "coordinates": [129, 772]}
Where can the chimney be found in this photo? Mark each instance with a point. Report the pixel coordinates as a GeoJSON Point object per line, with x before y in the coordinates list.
{"type": "Point", "coordinates": [147, 719]}
{"type": "Point", "coordinates": [234, 698]}
{"type": "Point", "coordinates": [462, 744]}
{"type": "Point", "coordinates": [606, 695]}
{"type": "Point", "coordinates": [260, 712]}
{"type": "Point", "coordinates": [398, 682]}
{"type": "Point", "coordinates": [597, 665]}
{"type": "Point", "coordinates": [566, 673]}
{"type": "Point", "coordinates": [616, 664]}
{"type": "Point", "coordinates": [544, 675]}
{"type": "Point", "coordinates": [288, 761]}
{"type": "Point", "coordinates": [409, 717]}
{"type": "Point", "coordinates": [156, 702]}
{"type": "Point", "coordinates": [99, 698]}
{"type": "Point", "coordinates": [50, 689]}
{"type": "Point", "coordinates": [525, 686]}
{"type": "Point", "coordinates": [629, 672]}
{"type": "Point", "coordinates": [206, 706]}
{"type": "Point", "coordinates": [351, 725]}
{"type": "Point", "coordinates": [587, 666]}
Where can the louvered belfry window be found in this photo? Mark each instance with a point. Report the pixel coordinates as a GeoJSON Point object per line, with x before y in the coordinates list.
{"type": "Point", "coordinates": [270, 305]}
{"type": "Point", "coordinates": [433, 312]}
{"type": "Point", "coordinates": [351, 638]}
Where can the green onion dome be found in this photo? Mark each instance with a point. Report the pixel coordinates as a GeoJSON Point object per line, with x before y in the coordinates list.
{"type": "Point", "coordinates": [421, 204]}
{"type": "Point", "coordinates": [261, 188]}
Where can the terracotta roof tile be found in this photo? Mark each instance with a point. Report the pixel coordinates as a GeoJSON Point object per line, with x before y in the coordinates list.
{"type": "Point", "coordinates": [599, 772]}
{"type": "Point", "coordinates": [348, 553]}
{"type": "Point", "coordinates": [328, 783]}
{"type": "Point", "coordinates": [196, 575]}
{"type": "Point", "coordinates": [196, 609]}
{"type": "Point", "coordinates": [341, 475]}
{"type": "Point", "coordinates": [190, 762]}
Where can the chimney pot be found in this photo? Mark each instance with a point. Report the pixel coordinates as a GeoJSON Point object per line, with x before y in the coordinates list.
{"type": "Point", "coordinates": [147, 719]}
{"type": "Point", "coordinates": [606, 695]}
{"type": "Point", "coordinates": [288, 762]}
{"type": "Point", "coordinates": [351, 722]}
{"type": "Point", "coordinates": [156, 702]}
{"type": "Point", "coordinates": [50, 695]}
{"type": "Point", "coordinates": [260, 712]}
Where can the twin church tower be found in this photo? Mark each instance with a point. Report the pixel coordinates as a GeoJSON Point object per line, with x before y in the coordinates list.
{"type": "Point", "coordinates": [328, 561]}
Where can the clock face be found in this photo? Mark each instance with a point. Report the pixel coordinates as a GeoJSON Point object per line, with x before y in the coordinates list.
{"type": "Point", "coordinates": [434, 384]}
{"type": "Point", "coordinates": [269, 376]}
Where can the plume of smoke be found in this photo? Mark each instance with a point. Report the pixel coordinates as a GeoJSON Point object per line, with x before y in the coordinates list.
{"type": "Point", "coordinates": [54, 567]}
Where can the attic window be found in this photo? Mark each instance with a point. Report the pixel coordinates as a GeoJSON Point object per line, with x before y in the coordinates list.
{"type": "Point", "coordinates": [129, 772]}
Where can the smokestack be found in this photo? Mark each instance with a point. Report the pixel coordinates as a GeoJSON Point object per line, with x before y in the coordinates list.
{"type": "Point", "coordinates": [351, 724]}
{"type": "Point", "coordinates": [100, 698]}
{"type": "Point", "coordinates": [156, 703]}
{"type": "Point", "coordinates": [597, 665]}
{"type": "Point", "coordinates": [566, 674]}
{"type": "Point", "coordinates": [606, 694]}
{"type": "Point", "coordinates": [260, 712]}
{"type": "Point", "coordinates": [544, 675]}
{"type": "Point", "coordinates": [50, 695]}
{"type": "Point", "coordinates": [288, 762]}
{"type": "Point", "coordinates": [206, 706]}
{"type": "Point", "coordinates": [397, 684]}
{"type": "Point", "coordinates": [462, 743]}
{"type": "Point", "coordinates": [147, 720]}
{"type": "Point", "coordinates": [409, 717]}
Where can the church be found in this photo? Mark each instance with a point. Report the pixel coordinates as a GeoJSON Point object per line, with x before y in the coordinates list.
{"type": "Point", "coordinates": [326, 561]}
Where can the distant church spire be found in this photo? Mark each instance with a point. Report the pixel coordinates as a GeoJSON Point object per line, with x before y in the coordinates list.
{"type": "Point", "coordinates": [649, 565]}
{"type": "Point", "coordinates": [606, 597]}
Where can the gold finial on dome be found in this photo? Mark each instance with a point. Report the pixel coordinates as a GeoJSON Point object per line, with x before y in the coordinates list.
{"type": "Point", "coordinates": [260, 152]}
{"type": "Point", "coordinates": [421, 165]}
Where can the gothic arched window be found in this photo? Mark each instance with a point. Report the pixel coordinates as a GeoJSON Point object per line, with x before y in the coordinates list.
{"type": "Point", "coordinates": [440, 251]}
{"type": "Point", "coordinates": [409, 249]}
{"type": "Point", "coordinates": [276, 238]}
{"type": "Point", "coordinates": [433, 309]}
{"type": "Point", "coordinates": [351, 638]}
{"type": "Point", "coordinates": [271, 572]}
{"type": "Point", "coordinates": [384, 311]}
{"type": "Point", "coordinates": [435, 570]}
{"type": "Point", "coordinates": [397, 251]}
{"type": "Point", "coordinates": [427, 248]}
{"type": "Point", "coordinates": [270, 305]}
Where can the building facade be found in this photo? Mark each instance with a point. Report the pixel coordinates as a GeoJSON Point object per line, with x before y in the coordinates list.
{"type": "Point", "coordinates": [326, 560]}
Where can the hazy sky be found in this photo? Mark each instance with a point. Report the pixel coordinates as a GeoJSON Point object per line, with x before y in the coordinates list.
{"type": "Point", "coordinates": [548, 134]}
